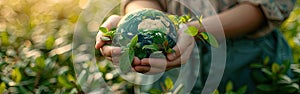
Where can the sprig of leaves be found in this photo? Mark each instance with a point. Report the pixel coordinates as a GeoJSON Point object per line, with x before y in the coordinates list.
{"type": "Point", "coordinates": [205, 37]}
{"type": "Point", "coordinates": [108, 34]}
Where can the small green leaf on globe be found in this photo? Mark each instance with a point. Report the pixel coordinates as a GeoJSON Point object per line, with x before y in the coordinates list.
{"type": "Point", "coordinates": [134, 41]}
{"type": "Point", "coordinates": [153, 47]}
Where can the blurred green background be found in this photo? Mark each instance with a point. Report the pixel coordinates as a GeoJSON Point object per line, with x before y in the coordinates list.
{"type": "Point", "coordinates": [36, 45]}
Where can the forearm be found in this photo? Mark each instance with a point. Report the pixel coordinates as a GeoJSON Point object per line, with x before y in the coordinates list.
{"type": "Point", "coordinates": [240, 20]}
{"type": "Point", "coordinates": [139, 4]}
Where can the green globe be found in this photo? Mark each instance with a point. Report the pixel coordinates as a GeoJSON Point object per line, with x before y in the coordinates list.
{"type": "Point", "coordinates": [155, 32]}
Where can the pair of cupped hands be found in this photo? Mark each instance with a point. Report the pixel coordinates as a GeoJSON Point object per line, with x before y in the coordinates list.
{"type": "Point", "coordinates": [183, 49]}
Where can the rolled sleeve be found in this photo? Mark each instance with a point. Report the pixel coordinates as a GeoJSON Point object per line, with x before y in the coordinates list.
{"type": "Point", "coordinates": [276, 11]}
{"type": "Point", "coordinates": [124, 3]}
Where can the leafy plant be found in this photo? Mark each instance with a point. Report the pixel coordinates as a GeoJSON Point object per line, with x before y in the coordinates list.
{"type": "Point", "coordinates": [167, 88]}
{"type": "Point", "coordinates": [273, 78]}
{"type": "Point", "coordinates": [107, 34]}
{"type": "Point", "coordinates": [229, 89]}
{"type": "Point", "coordinates": [205, 37]}
{"type": "Point", "coordinates": [35, 46]}
{"type": "Point", "coordinates": [290, 30]}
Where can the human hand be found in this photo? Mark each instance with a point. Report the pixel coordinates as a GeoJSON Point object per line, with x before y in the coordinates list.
{"type": "Point", "coordinates": [106, 50]}
{"type": "Point", "coordinates": [182, 53]}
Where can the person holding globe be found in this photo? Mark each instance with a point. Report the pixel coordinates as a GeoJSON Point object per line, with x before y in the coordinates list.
{"type": "Point", "coordinates": [250, 28]}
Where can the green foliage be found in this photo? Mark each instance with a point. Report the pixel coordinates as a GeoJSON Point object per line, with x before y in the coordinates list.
{"type": "Point", "coordinates": [273, 78]}
{"type": "Point", "coordinates": [16, 75]}
{"type": "Point", "coordinates": [290, 29]}
{"type": "Point", "coordinates": [50, 42]}
{"type": "Point", "coordinates": [275, 68]}
{"type": "Point", "coordinates": [229, 86]}
{"type": "Point", "coordinates": [167, 87]}
{"type": "Point", "coordinates": [4, 38]}
{"type": "Point", "coordinates": [2, 87]}
{"type": "Point", "coordinates": [229, 89]}
{"type": "Point", "coordinates": [216, 92]}
{"type": "Point", "coordinates": [155, 91]}
{"type": "Point", "coordinates": [168, 83]}
{"type": "Point", "coordinates": [64, 81]}
{"type": "Point", "coordinates": [242, 90]}
{"type": "Point", "coordinates": [33, 40]}
{"type": "Point", "coordinates": [108, 34]}
{"type": "Point", "coordinates": [266, 60]}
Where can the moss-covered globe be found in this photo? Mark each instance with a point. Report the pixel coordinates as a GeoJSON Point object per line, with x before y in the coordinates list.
{"type": "Point", "coordinates": [155, 32]}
